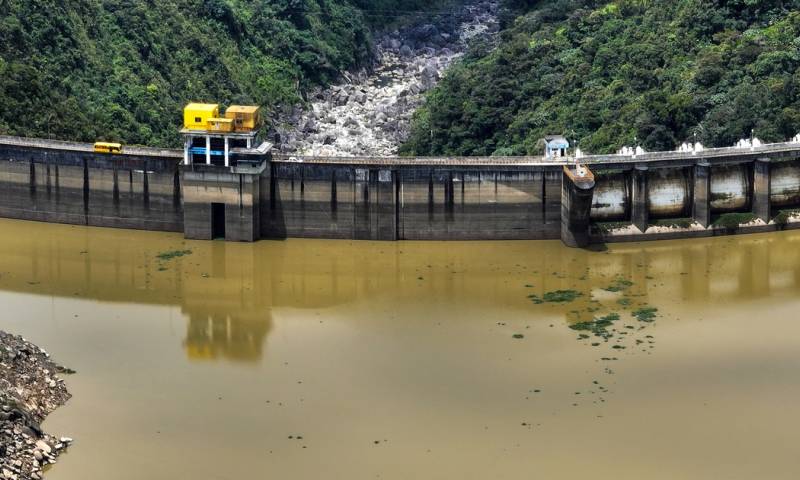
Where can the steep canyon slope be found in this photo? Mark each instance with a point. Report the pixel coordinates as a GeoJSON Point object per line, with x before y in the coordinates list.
{"type": "Point", "coordinates": [616, 73]}
{"type": "Point", "coordinates": [123, 69]}
{"type": "Point", "coordinates": [369, 112]}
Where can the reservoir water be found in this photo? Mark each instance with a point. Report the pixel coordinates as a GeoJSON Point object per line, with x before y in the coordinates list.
{"type": "Point", "coordinates": [308, 359]}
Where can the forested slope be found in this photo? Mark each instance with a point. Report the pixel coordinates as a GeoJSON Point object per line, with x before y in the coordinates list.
{"type": "Point", "coordinates": [653, 71]}
{"type": "Point", "coordinates": [122, 69]}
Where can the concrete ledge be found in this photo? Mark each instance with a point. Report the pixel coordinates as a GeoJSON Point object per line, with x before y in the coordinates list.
{"type": "Point", "coordinates": [684, 234]}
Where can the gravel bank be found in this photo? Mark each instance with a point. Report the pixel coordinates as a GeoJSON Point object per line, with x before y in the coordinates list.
{"type": "Point", "coordinates": [29, 391]}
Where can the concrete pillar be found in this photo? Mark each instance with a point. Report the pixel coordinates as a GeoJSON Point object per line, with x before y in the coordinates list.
{"type": "Point", "coordinates": [208, 150]}
{"type": "Point", "coordinates": [386, 205]}
{"type": "Point", "coordinates": [186, 146]}
{"type": "Point", "coordinates": [701, 208]}
{"type": "Point", "coordinates": [576, 206]}
{"type": "Point", "coordinates": [640, 217]}
{"type": "Point", "coordinates": [761, 206]}
{"type": "Point", "coordinates": [227, 157]}
{"type": "Point", "coordinates": [362, 201]}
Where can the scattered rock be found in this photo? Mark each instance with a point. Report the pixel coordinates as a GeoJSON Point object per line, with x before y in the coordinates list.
{"type": "Point", "coordinates": [28, 393]}
{"type": "Point", "coordinates": [381, 101]}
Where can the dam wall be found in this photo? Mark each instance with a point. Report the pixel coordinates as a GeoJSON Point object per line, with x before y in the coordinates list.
{"type": "Point", "coordinates": [672, 192]}
{"type": "Point", "coordinates": [411, 202]}
{"type": "Point", "coordinates": [471, 198]}
{"type": "Point", "coordinates": [136, 191]}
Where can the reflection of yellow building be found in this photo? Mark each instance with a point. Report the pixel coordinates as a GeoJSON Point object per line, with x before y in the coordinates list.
{"type": "Point", "coordinates": [210, 337]}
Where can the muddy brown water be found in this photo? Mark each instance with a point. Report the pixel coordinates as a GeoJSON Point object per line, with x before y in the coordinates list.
{"type": "Point", "coordinates": [349, 360]}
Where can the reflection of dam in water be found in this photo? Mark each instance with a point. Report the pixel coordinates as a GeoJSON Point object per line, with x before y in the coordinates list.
{"type": "Point", "coordinates": [229, 293]}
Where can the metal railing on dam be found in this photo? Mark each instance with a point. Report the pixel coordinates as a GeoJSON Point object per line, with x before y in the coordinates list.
{"type": "Point", "coordinates": [448, 161]}
{"type": "Point", "coordinates": [272, 195]}
{"type": "Point", "coordinates": [523, 161]}
{"type": "Point", "coordinates": [60, 145]}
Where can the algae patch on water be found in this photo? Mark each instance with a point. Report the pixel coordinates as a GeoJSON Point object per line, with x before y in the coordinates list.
{"type": "Point", "coordinates": [598, 326]}
{"type": "Point", "coordinates": [645, 314]}
{"type": "Point", "coordinates": [557, 296]}
{"type": "Point", "coordinates": [169, 255]}
{"type": "Point", "coordinates": [619, 285]}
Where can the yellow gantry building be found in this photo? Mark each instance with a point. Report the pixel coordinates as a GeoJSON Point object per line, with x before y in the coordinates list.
{"type": "Point", "coordinates": [245, 117]}
{"type": "Point", "coordinates": [210, 136]}
{"type": "Point", "coordinates": [197, 115]}
{"type": "Point", "coordinates": [205, 117]}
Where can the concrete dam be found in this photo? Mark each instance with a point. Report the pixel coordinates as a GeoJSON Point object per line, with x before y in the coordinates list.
{"type": "Point", "coordinates": [256, 194]}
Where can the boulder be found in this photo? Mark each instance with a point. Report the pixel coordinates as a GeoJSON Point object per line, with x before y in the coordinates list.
{"type": "Point", "coordinates": [428, 51]}
{"type": "Point", "coordinates": [430, 70]}
{"type": "Point", "coordinates": [311, 126]}
{"type": "Point", "coordinates": [424, 32]}
{"type": "Point", "coordinates": [43, 446]}
{"type": "Point", "coordinates": [341, 99]}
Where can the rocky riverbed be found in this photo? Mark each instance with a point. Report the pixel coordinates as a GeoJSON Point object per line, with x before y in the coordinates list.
{"type": "Point", "coordinates": [369, 112]}
{"type": "Point", "coordinates": [29, 390]}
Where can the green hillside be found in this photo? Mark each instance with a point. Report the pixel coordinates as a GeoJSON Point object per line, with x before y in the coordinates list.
{"type": "Point", "coordinates": [122, 69]}
{"type": "Point", "coordinates": [656, 71]}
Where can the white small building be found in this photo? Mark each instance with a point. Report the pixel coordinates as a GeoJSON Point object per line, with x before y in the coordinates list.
{"type": "Point", "coordinates": [555, 146]}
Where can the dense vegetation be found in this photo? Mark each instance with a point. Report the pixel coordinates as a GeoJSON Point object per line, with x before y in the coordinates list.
{"type": "Point", "coordinates": [654, 71]}
{"type": "Point", "coordinates": [122, 69]}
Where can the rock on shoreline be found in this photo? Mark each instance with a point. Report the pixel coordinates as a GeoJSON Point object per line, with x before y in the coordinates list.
{"type": "Point", "coordinates": [29, 391]}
